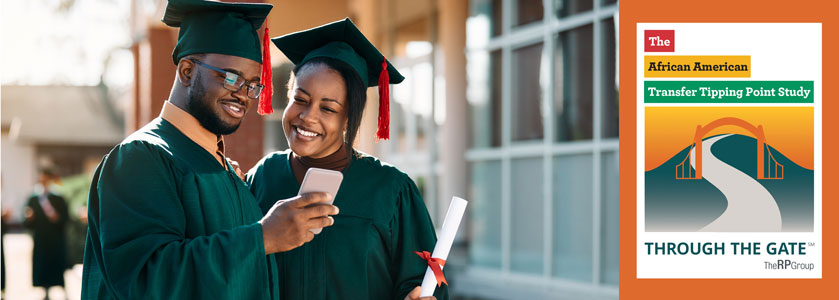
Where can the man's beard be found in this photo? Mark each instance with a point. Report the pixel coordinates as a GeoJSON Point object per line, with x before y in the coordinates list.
{"type": "Point", "coordinates": [201, 109]}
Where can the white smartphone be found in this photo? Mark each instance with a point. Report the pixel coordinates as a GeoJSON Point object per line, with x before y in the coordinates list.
{"type": "Point", "coordinates": [321, 180]}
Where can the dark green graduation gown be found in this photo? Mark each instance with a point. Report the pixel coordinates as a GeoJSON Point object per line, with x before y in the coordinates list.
{"type": "Point", "coordinates": [167, 221]}
{"type": "Point", "coordinates": [368, 252]}
{"type": "Point", "coordinates": [49, 243]}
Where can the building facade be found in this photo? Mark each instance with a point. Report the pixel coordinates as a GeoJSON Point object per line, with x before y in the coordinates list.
{"type": "Point", "coordinates": [543, 148]}
{"type": "Point", "coordinates": [514, 106]}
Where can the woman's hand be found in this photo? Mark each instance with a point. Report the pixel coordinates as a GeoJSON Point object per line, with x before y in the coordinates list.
{"type": "Point", "coordinates": [415, 293]}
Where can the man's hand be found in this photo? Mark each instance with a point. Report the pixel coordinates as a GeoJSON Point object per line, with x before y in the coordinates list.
{"type": "Point", "coordinates": [286, 225]}
{"type": "Point", "coordinates": [415, 293]}
{"type": "Point", "coordinates": [236, 168]}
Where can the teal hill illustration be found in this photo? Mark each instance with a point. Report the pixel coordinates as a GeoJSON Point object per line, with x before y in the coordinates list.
{"type": "Point", "coordinates": [729, 196]}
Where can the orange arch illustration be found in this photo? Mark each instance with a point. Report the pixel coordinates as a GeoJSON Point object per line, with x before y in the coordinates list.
{"type": "Point", "coordinates": [757, 131]}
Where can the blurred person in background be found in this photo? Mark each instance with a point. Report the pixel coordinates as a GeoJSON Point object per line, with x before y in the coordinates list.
{"type": "Point", "coordinates": [7, 213]}
{"type": "Point", "coordinates": [46, 216]}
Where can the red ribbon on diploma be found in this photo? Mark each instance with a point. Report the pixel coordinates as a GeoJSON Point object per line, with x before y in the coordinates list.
{"type": "Point", "coordinates": [436, 265]}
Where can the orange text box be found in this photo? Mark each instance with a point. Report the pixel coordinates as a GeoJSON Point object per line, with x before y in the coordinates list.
{"type": "Point", "coordinates": [698, 66]}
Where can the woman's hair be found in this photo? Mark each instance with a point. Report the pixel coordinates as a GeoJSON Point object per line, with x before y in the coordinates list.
{"type": "Point", "coordinates": [356, 92]}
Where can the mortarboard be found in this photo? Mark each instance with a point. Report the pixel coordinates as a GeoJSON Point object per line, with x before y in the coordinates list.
{"type": "Point", "coordinates": [343, 41]}
{"type": "Point", "coordinates": [224, 28]}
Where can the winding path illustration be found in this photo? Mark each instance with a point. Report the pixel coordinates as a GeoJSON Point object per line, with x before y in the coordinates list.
{"type": "Point", "coordinates": [750, 208]}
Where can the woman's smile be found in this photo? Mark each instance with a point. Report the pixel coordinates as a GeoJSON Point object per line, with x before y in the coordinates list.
{"type": "Point", "coordinates": [305, 134]}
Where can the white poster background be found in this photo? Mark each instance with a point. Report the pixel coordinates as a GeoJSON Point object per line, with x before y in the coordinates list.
{"type": "Point", "coordinates": [779, 52]}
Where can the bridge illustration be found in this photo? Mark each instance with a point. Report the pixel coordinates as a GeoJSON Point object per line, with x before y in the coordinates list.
{"type": "Point", "coordinates": [764, 162]}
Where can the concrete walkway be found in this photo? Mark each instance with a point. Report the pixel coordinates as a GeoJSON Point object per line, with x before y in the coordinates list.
{"type": "Point", "coordinates": [18, 248]}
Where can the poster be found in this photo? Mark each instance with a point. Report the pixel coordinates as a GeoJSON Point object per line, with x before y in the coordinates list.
{"type": "Point", "coordinates": [729, 150]}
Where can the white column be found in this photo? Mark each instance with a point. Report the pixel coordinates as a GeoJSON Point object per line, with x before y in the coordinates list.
{"type": "Point", "coordinates": [454, 132]}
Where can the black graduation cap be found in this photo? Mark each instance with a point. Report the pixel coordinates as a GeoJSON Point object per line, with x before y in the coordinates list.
{"type": "Point", "coordinates": [224, 28]}
{"type": "Point", "coordinates": [343, 41]}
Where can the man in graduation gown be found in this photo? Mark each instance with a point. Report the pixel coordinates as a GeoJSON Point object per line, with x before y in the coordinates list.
{"type": "Point", "coordinates": [168, 216]}
{"type": "Point", "coordinates": [47, 215]}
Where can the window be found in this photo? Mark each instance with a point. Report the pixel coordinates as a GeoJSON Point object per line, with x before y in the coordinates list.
{"type": "Point", "coordinates": [543, 150]}
{"type": "Point", "coordinates": [573, 93]}
{"type": "Point", "coordinates": [609, 236]}
{"type": "Point", "coordinates": [570, 7]}
{"type": "Point", "coordinates": [608, 73]}
{"type": "Point", "coordinates": [528, 11]}
{"type": "Point", "coordinates": [484, 97]}
{"type": "Point", "coordinates": [485, 250]}
{"type": "Point", "coordinates": [527, 94]}
{"type": "Point", "coordinates": [573, 228]}
{"type": "Point", "coordinates": [527, 252]}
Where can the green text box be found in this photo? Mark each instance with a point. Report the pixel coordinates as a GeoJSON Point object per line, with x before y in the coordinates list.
{"type": "Point", "coordinates": [728, 92]}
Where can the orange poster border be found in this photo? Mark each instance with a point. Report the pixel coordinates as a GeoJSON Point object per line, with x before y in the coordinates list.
{"type": "Point", "coordinates": [749, 11]}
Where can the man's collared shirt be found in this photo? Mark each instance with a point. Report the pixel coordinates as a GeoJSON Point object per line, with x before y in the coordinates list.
{"type": "Point", "coordinates": [189, 126]}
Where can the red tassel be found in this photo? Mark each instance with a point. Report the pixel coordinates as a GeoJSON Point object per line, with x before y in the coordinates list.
{"type": "Point", "coordinates": [265, 107]}
{"type": "Point", "coordinates": [383, 133]}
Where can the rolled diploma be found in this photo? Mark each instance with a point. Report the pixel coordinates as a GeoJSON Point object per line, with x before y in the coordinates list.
{"type": "Point", "coordinates": [444, 242]}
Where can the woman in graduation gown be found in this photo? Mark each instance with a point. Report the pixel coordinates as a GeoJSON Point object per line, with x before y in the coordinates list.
{"type": "Point", "coordinates": [368, 252]}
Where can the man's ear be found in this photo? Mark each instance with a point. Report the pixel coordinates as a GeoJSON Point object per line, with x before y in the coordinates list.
{"type": "Point", "coordinates": [186, 69]}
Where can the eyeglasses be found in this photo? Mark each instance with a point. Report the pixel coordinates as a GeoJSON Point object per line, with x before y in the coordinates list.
{"type": "Point", "coordinates": [233, 82]}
